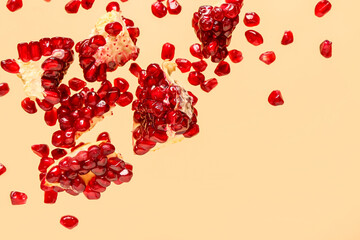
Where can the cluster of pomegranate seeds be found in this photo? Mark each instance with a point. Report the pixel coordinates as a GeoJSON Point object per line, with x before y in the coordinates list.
{"type": "Point", "coordinates": [326, 49]}
{"type": "Point", "coordinates": [159, 9]}
{"type": "Point", "coordinates": [2, 169]}
{"type": "Point", "coordinates": [275, 98]}
{"type": "Point", "coordinates": [268, 57]}
{"type": "Point", "coordinates": [88, 168]}
{"type": "Point", "coordinates": [4, 89]}
{"type": "Point", "coordinates": [251, 19]}
{"type": "Point", "coordinates": [14, 5]}
{"type": "Point", "coordinates": [162, 110]}
{"type": "Point", "coordinates": [288, 38]}
{"type": "Point", "coordinates": [18, 198]}
{"type": "Point", "coordinates": [69, 221]}
{"type": "Point", "coordinates": [322, 8]}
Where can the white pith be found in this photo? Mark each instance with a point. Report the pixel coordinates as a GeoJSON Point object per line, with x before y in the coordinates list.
{"type": "Point", "coordinates": [118, 49]}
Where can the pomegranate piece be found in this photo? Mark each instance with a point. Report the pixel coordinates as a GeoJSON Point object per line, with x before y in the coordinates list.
{"type": "Point", "coordinates": [326, 49]}
{"type": "Point", "coordinates": [18, 198]}
{"type": "Point", "coordinates": [195, 50]}
{"type": "Point", "coordinates": [10, 66]}
{"type": "Point", "coordinates": [50, 117]}
{"type": "Point", "coordinates": [50, 197]}
{"type": "Point", "coordinates": [199, 66]}
{"type": "Point", "coordinates": [14, 5]}
{"type": "Point", "coordinates": [275, 98]}
{"type": "Point", "coordinates": [42, 150]}
{"type": "Point", "coordinates": [322, 8]}
{"type": "Point", "coordinates": [112, 43]}
{"type": "Point", "coordinates": [222, 69]}
{"type": "Point", "coordinates": [73, 6]}
{"type": "Point", "coordinates": [183, 65]}
{"type": "Point", "coordinates": [76, 84]}
{"type": "Point", "coordinates": [158, 9]}
{"type": "Point", "coordinates": [113, 6]}
{"type": "Point", "coordinates": [196, 78]}
{"type": "Point", "coordinates": [87, 4]}
{"type": "Point", "coordinates": [173, 7]}
{"type": "Point", "coordinates": [254, 37]}
{"type": "Point", "coordinates": [214, 27]}
{"type": "Point", "coordinates": [209, 85]}
{"type": "Point", "coordinates": [4, 89]}
{"type": "Point", "coordinates": [2, 169]}
{"type": "Point", "coordinates": [268, 57]}
{"type": "Point", "coordinates": [89, 169]}
{"type": "Point", "coordinates": [163, 109]}
{"type": "Point", "coordinates": [28, 105]}
{"type": "Point", "coordinates": [168, 52]}
{"type": "Point", "coordinates": [235, 56]}
{"type": "Point", "coordinates": [69, 221]}
{"type": "Point", "coordinates": [251, 19]}
{"type": "Point", "coordinates": [288, 38]}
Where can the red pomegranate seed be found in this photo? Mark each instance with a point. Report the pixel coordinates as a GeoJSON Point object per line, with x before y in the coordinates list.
{"type": "Point", "coordinates": [125, 99]}
{"type": "Point", "coordinates": [104, 136]}
{"type": "Point", "coordinates": [275, 98]}
{"type": "Point", "coordinates": [18, 198]}
{"type": "Point", "coordinates": [235, 56]}
{"type": "Point", "coordinates": [14, 5]}
{"type": "Point", "coordinates": [113, 6]}
{"type": "Point", "coordinates": [24, 53]}
{"type": "Point", "coordinates": [251, 19]}
{"type": "Point", "coordinates": [29, 105]}
{"type": "Point", "coordinates": [2, 169]}
{"type": "Point", "coordinates": [209, 85]}
{"type": "Point", "coordinates": [69, 221]}
{"type": "Point", "coordinates": [222, 69]}
{"type": "Point", "coordinates": [192, 131]}
{"type": "Point", "coordinates": [4, 89]}
{"type": "Point", "coordinates": [58, 153]}
{"type": "Point", "coordinates": [35, 51]}
{"type": "Point", "coordinates": [113, 28]}
{"type": "Point", "coordinates": [268, 57]}
{"type": "Point", "coordinates": [168, 52]}
{"type": "Point", "coordinates": [44, 105]}
{"type": "Point", "coordinates": [50, 197]}
{"type": "Point", "coordinates": [196, 78]}
{"type": "Point", "coordinates": [199, 66]}
{"type": "Point", "coordinates": [121, 84]}
{"type": "Point", "coordinates": [135, 69]}
{"type": "Point", "coordinates": [73, 6]}
{"type": "Point", "coordinates": [287, 38]}
{"type": "Point", "coordinates": [326, 49]}
{"type": "Point", "coordinates": [183, 65]}
{"type": "Point", "coordinates": [173, 7]}
{"type": "Point", "coordinates": [10, 66]}
{"type": "Point", "coordinates": [45, 45]}
{"type": "Point", "coordinates": [195, 50]}
{"type": "Point", "coordinates": [76, 84]}
{"type": "Point", "coordinates": [42, 150]}
{"type": "Point", "coordinates": [254, 37]}
{"type": "Point", "coordinates": [322, 8]}
{"type": "Point", "coordinates": [50, 117]}
{"type": "Point", "coordinates": [87, 4]}
{"type": "Point", "coordinates": [158, 9]}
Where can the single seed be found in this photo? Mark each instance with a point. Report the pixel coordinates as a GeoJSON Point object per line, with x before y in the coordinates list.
{"type": "Point", "coordinates": [235, 56]}
{"type": "Point", "coordinates": [275, 98]}
{"type": "Point", "coordinates": [4, 89]}
{"type": "Point", "coordinates": [322, 8]}
{"type": "Point", "coordinates": [69, 221]}
{"type": "Point", "coordinates": [288, 38]}
{"type": "Point", "coordinates": [326, 49]}
{"type": "Point", "coordinates": [254, 37]}
{"type": "Point", "coordinates": [18, 198]}
{"type": "Point", "coordinates": [158, 9]}
{"type": "Point", "coordinates": [168, 51]}
{"type": "Point", "coordinates": [251, 19]}
{"type": "Point", "coordinates": [268, 57]}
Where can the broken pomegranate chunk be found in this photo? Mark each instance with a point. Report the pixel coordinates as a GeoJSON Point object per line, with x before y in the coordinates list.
{"type": "Point", "coordinates": [18, 198]}
{"type": "Point", "coordinates": [322, 8]}
{"type": "Point", "coordinates": [2, 169]}
{"type": "Point", "coordinates": [326, 49]}
{"type": "Point", "coordinates": [251, 19]}
{"type": "Point", "coordinates": [275, 98]}
{"type": "Point", "coordinates": [69, 221]}
{"type": "Point", "coordinates": [288, 38]}
{"type": "Point", "coordinates": [4, 89]}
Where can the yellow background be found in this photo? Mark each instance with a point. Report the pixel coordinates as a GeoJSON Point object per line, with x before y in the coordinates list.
{"type": "Point", "coordinates": [254, 172]}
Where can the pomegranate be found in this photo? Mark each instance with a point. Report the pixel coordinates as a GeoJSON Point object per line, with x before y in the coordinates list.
{"type": "Point", "coordinates": [41, 78]}
{"type": "Point", "coordinates": [18, 198]}
{"type": "Point", "coordinates": [69, 221]}
{"type": "Point", "coordinates": [163, 111]}
{"type": "Point", "coordinates": [89, 169]}
{"type": "Point", "coordinates": [2, 169]}
{"type": "Point", "coordinates": [275, 98]}
{"type": "Point", "coordinates": [112, 43]}
{"type": "Point", "coordinates": [214, 26]}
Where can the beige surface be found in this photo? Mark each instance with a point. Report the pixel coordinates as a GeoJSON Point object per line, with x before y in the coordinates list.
{"type": "Point", "coordinates": [255, 172]}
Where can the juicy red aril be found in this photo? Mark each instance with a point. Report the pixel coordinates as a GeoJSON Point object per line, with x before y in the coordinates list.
{"type": "Point", "coordinates": [44, 105]}
{"type": "Point", "coordinates": [69, 221]}
{"type": "Point", "coordinates": [76, 84]}
{"type": "Point", "coordinates": [199, 66]}
{"type": "Point", "coordinates": [235, 56]}
{"type": "Point", "coordinates": [42, 150]}
{"type": "Point", "coordinates": [222, 69]}
{"type": "Point", "coordinates": [28, 105]}
{"type": "Point", "coordinates": [158, 9]}
{"type": "Point", "coordinates": [52, 64]}
{"type": "Point", "coordinates": [4, 89]}
{"type": "Point", "coordinates": [322, 7]}
{"type": "Point", "coordinates": [10, 66]}
{"type": "Point", "coordinates": [113, 6]}
{"type": "Point", "coordinates": [50, 117]}
{"type": "Point", "coordinates": [14, 5]}
{"type": "Point", "coordinates": [195, 50]}
{"type": "Point", "coordinates": [192, 131]}
{"type": "Point", "coordinates": [104, 136]}
{"type": "Point", "coordinates": [45, 163]}
{"type": "Point", "coordinates": [2, 169]}
{"type": "Point", "coordinates": [288, 38]}
{"type": "Point", "coordinates": [73, 6]}
{"type": "Point", "coordinates": [57, 138]}
{"type": "Point", "coordinates": [97, 41]}
{"type": "Point", "coordinates": [50, 197]}
{"type": "Point", "coordinates": [54, 174]}
{"type": "Point", "coordinates": [113, 28]}
{"type": "Point", "coordinates": [168, 51]}
{"type": "Point", "coordinates": [196, 78]}
{"type": "Point", "coordinates": [35, 51]}
{"type": "Point", "coordinates": [183, 65]}
{"type": "Point", "coordinates": [82, 124]}
{"type": "Point", "coordinates": [121, 84]}
{"type": "Point", "coordinates": [326, 49]}
{"type": "Point", "coordinates": [209, 85]}
{"type": "Point", "coordinates": [135, 69]}
{"type": "Point", "coordinates": [23, 51]}
{"type": "Point", "coordinates": [58, 153]}
{"type": "Point", "coordinates": [45, 45]}
{"type": "Point", "coordinates": [173, 7]}
{"type": "Point", "coordinates": [125, 99]}
{"type": "Point", "coordinates": [254, 37]}
{"type": "Point", "coordinates": [18, 198]}
{"type": "Point", "coordinates": [251, 19]}
{"type": "Point", "coordinates": [87, 4]}
{"type": "Point", "coordinates": [275, 98]}
{"type": "Point", "coordinates": [268, 57]}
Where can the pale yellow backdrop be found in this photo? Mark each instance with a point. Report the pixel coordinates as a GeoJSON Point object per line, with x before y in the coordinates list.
{"type": "Point", "coordinates": [255, 172]}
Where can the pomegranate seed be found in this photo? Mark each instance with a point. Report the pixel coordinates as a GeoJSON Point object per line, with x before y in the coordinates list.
{"type": "Point", "coordinates": [28, 105]}
{"type": "Point", "coordinates": [121, 84]}
{"type": "Point", "coordinates": [235, 56]}
{"type": "Point", "coordinates": [87, 4]}
{"type": "Point", "coordinates": [2, 169]}
{"type": "Point", "coordinates": [45, 163]}
{"type": "Point", "coordinates": [57, 138]}
{"type": "Point", "coordinates": [125, 99]}
{"type": "Point", "coordinates": [251, 19]}
{"type": "Point", "coordinates": [14, 5]}
{"type": "Point", "coordinates": [113, 28]}
{"type": "Point", "coordinates": [45, 45]}
{"type": "Point", "coordinates": [76, 84]}
{"type": "Point", "coordinates": [222, 69]}
{"type": "Point", "coordinates": [10, 66]}
{"type": "Point", "coordinates": [24, 53]}
{"type": "Point", "coordinates": [326, 49]}
{"type": "Point", "coordinates": [113, 6]}
{"type": "Point", "coordinates": [287, 38]}
{"type": "Point", "coordinates": [322, 8]}
{"type": "Point", "coordinates": [58, 153]}
{"type": "Point", "coordinates": [158, 9]}
{"type": "Point", "coordinates": [254, 37]}
{"type": "Point", "coordinates": [184, 65]}
{"type": "Point", "coordinates": [209, 85]}
{"type": "Point", "coordinates": [50, 117]}
{"type": "Point", "coordinates": [168, 52]}
{"type": "Point", "coordinates": [104, 136]}
{"type": "Point", "coordinates": [4, 89]}
{"type": "Point", "coordinates": [196, 78]}
{"type": "Point", "coordinates": [275, 98]}
{"type": "Point", "coordinates": [44, 105]}
{"type": "Point", "coordinates": [73, 6]}
{"type": "Point", "coordinates": [192, 131]}
{"type": "Point", "coordinates": [42, 150]}
{"type": "Point", "coordinates": [50, 197]}
{"type": "Point", "coordinates": [18, 198]}
{"type": "Point", "coordinates": [195, 50]}
{"type": "Point", "coordinates": [35, 51]}
{"type": "Point", "coordinates": [173, 7]}
{"type": "Point", "coordinates": [268, 57]}
{"type": "Point", "coordinates": [69, 221]}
